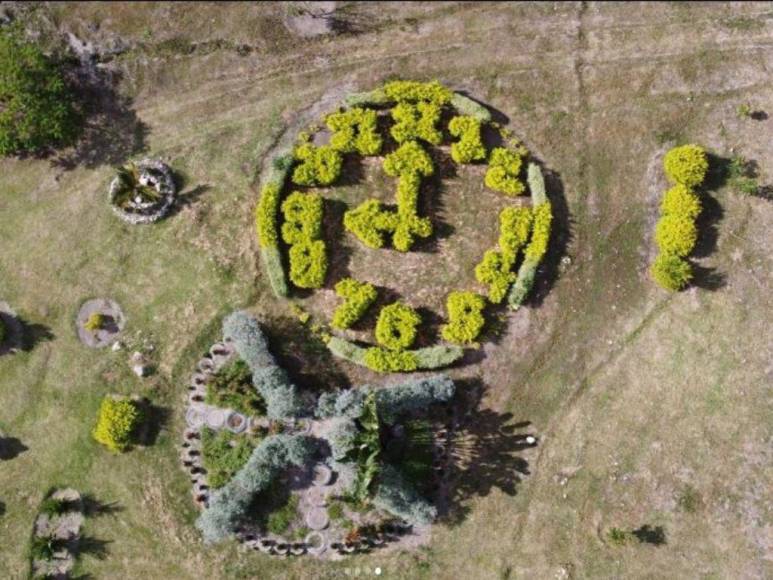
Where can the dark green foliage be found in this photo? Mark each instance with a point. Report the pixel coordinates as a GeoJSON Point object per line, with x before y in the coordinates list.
{"type": "Point", "coordinates": [399, 497]}
{"type": "Point", "coordinates": [55, 507]}
{"type": "Point", "coordinates": [36, 107]}
{"type": "Point", "coordinates": [223, 455]}
{"type": "Point", "coordinates": [44, 547]}
{"type": "Point", "coordinates": [366, 451]}
{"type": "Point", "coordinates": [129, 187]}
{"type": "Point", "coordinates": [231, 388]}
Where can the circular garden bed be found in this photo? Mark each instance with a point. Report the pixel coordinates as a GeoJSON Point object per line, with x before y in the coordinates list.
{"type": "Point", "coordinates": [99, 322]}
{"type": "Point", "coordinates": [143, 192]}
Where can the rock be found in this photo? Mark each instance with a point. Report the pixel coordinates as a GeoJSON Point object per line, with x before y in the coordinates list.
{"type": "Point", "coordinates": [117, 345]}
{"type": "Point", "coordinates": [141, 370]}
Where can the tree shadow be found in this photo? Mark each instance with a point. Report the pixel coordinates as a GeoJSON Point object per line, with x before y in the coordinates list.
{"type": "Point", "coordinates": [33, 334]}
{"type": "Point", "coordinates": [2, 508]}
{"type": "Point", "coordinates": [94, 547]}
{"type": "Point", "coordinates": [549, 270]}
{"type": "Point", "coordinates": [708, 278]}
{"type": "Point", "coordinates": [431, 201]}
{"type": "Point", "coordinates": [11, 448]}
{"type": "Point", "coordinates": [187, 199]}
{"type": "Point", "coordinates": [484, 454]}
{"type": "Point", "coordinates": [649, 535]}
{"type": "Point", "coordinates": [112, 132]}
{"type": "Point", "coordinates": [708, 226]}
{"type": "Point", "coordinates": [155, 418]}
{"type": "Point", "coordinates": [339, 252]}
{"type": "Point", "coordinates": [92, 507]}
{"type": "Point", "coordinates": [759, 115]}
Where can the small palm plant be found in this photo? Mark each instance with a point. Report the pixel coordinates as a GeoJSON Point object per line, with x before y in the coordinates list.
{"type": "Point", "coordinates": [44, 547]}
{"type": "Point", "coordinates": [129, 187]}
{"type": "Point", "coordinates": [366, 452]}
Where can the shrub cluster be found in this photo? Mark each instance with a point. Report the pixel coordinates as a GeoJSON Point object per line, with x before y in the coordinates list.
{"type": "Point", "coordinates": [396, 326]}
{"type": "Point", "coordinates": [465, 317]}
{"type": "Point", "coordinates": [117, 422]}
{"type": "Point", "coordinates": [676, 232]}
{"type": "Point", "coordinates": [383, 360]}
{"type": "Point", "coordinates": [416, 121]}
{"type": "Point", "coordinates": [342, 436]}
{"type": "Point", "coordinates": [466, 106]}
{"type": "Point", "coordinates": [495, 271]}
{"type": "Point", "coordinates": [399, 497]}
{"type": "Point", "coordinates": [470, 147]}
{"type": "Point", "coordinates": [317, 165]}
{"type": "Point", "coordinates": [231, 388]}
{"type": "Point", "coordinates": [540, 234]}
{"type": "Point", "coordinates": [223, 455]}
{"type": "Point", "coordinates": [369, 222]}
{"type": "Point", "coordinates": [504, 169]}
{"type": "Point", "coordinates": [380, 360]}
{"type": "Point", "coordinates": [412, 91]}
{"type": "Point", "coordinates": [438, 356]}
{"type": "Point", "coordinates": [272, 382]}
{"type": "Point", "coordinates": [266, 215]}
{"type": "Point", "coordinates": [229, 504]}
{"type": "Point", "coordinates": [515, 224]}
{"type": "Point", "coordinates": [413, 396]}
{"type": "Point", "coordinates": [358, 296]}
{"type": "Point", "coordinates": [301, 230]}
{"type": "Point", "coordinates": [355, 130]}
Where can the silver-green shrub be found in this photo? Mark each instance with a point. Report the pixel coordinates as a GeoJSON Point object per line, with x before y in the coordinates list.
{"type": "Point", "coordinates": [399, 497]}
{"type": "Point", "coordinates": [412, 396]}
{"type": "Point", "coordinates": [342, 436]}
{"type": "Point", "coordinates": [435, 357]}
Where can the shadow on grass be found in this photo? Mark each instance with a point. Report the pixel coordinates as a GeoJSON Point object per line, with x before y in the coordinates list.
{"type": "Point", "coordinates": [651, 535]}
{"type": "Point", "coordinates": [94, 547]}
{"type": "Point", "coordinates": [93, 507]}
{"type": "Point", "coordinates": [11, 448]}
{"type": "Point", "coordinates": [33, 334]}
{"type": "Point", "coordinates": [155, 418]}
{"type": "Point", "coordinates": [484, 454]}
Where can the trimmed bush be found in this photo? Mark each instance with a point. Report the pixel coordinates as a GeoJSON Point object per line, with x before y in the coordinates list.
{"type": "Point", "coordinates": [346, 350]}
{"type": "Point", "coordinates": [676, 235]}
{"type": "Point", "coordinates": [494, 271]}
{"type": "Point", "coordinates": [514, 227]}
{"type": "Point", "coordinates": [504, 169]}
{"type": "Point", "coordinates": [396, 326]}
{"type": "Point", "coordinates": [470, 147]}
{"type": "Point", "coordinates": [680, 201]}
{"type": "Point", "coordinates": [376, 97]}
{"type": "Point", "coordinates": [272, 259]}
{"type": "Point", "coordinates": [390, 361]}
{"type": "Point", "coordinates": [117, 421]}
{"type": "Point", "coordinates": [266, 215]}
{"type": "Point", "coordinates": [408, 159]}
{"type": "Point", "coordinates": [369, 222]}
{"type": "Point", "coordinates": [686, 165]}
{"type": "Point", "coordinates": [466, 106]}
{"type": "Point", "coordinates": [399, 497]}
{"type": "Point", "coordinates": [536, 185]}
{"type": "Point", "coordinates": [303, 217]}
{"type": "Point", "coordinates": [308, 264]}
{"type": "Point", "coordinates": [412, 91]}
{"type": "Point", "coordinates": [231, 387]}
{"type": "Point", "coordinates": [540, 235]}
{"type": "Point", "coordinates": [416, 121]}
{"type": "Point", "coordinates": [229, 504]}
{"type": "Point", "coordinates": [355, 130]}
{"type": "Point", "coordinates": [465, 317]}
{"type": "Point", "coordinates": [413, 396]}
{"type": "Point", "coordinates": [37, 107]}
{"type": "Point", "coordinates": [318, 165]}
{"type": "Point", "coordinates": [358, 296]}
{"type": "Point", "coordinates": [438, 356]}
{"type": "Point", "coordinates": [671, 272]}
{"type": "Point", "coordinates": [274, 386]}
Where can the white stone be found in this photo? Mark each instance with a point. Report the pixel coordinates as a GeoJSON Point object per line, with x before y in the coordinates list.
{"type": "Point", "coordinates": [141, 370]}
{"type": "Point", "coordinates": [117, 345]}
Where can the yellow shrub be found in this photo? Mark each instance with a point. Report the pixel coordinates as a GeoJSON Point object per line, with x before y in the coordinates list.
{"type": "Point", "coordinates": [355, 130]}
{"type": "Point", "coordinates": [680, 201]}
{"type": "Point", "coordinates": [686, 165]}
{"type": "Point", "coordinates": [470, 147]}
{"type": "Point", "coordinates": [400, 91]}
{"type": "Point", "coordinates": [540, 236]}
{"type": "Point", "coordinates": [671, 272]}
{"type": "Point", "coordinates": [465, 317]}
{"type": "Point", "coordinates": [676, 235]}
{"type": "Point", "coordinates": [504, 169]}
{"type": "Point", "coordinates": [117, 421]}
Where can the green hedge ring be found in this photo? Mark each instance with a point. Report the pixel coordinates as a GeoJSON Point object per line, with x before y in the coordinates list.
{"type": "Point", "coordinates": [289, 222]}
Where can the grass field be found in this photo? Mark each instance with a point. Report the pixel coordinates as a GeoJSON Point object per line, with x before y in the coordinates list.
{"type": "Point", "coordinates": [650, 408]}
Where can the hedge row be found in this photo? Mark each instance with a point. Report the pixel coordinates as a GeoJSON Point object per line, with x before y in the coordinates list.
{"type": "Point", "coordinates": [429, 358]}
{"type": "Point", "coordinates": [273, 384]}
{"type": "Point", "coordinates": [504, 170]}
{"type": "Point", "coordinates": [413, 91]}
{"type": "Point", "coordinates": [540, 238]}
{"type": "Point", "coordinates": [358, 296]}
{"type": "Point", "coordinates": [465, 317]}
{"type": "Point", "coordinates": [228, 505]}
{"type": "Point", "coordinates": [301, 230]}
{"type": "Point", "coordinates": [676, 233]}
{"type": "Point", "coordinates": [317, 165]}
{"type": "Point", "coordinates": [355, 130]}
{"type": "Point", "coordinates": [470, 147]}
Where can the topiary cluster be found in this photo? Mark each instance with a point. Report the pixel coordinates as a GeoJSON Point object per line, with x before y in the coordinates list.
{"type": "Point", "coordinates": [396, 326]}
{"type": "Point", "coordinates": [465, 317]}
{"type": "Point", "coordinates": [676, 233]}
{"type": "Point", "coordinates": [358, 296]}
{"type": "Point", "coordinates": [504, 170]}
{"type": "Point", "coordinates": [413, 91]}
{"type": "Point", "coordinates": [355, 130]}
{"type": "Point", "coordinates": [470, 147]}
{"type": "Point", "coordinates": [416, 121]}
{"type": "Point", "coordinates": [317, 165]}
{"type": "Point", "coordinates": [383, 360]}
{"type": "Point", "coordinates": [301, 231]}
{"type": "Point", "coordinates": [117, 423]}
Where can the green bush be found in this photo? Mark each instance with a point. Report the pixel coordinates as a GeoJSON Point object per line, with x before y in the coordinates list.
{"type": "Point", "coordinates": [504, 169]}
{"type": "Point", "coordinates": [318, 165]}
{"type": "Point", "coordinates": [308, 264]}
{"type": "Point", "coordinates": [416, 121]}
{"type": "Point", "coordinates": [399, 497]}
{"type": "Point", "coordinates": [342, 437]}
{"type": "Point", "coordinates": [396, 326]}
{"type": "Point", "coordinates": [470, 147]}
{"type": "Point", "coordinates": [465, 317]}
{"type": "Point", "coordinates": [408, 159]}
{"type": "Point", "coordinates": [279, 520]}
{"type": "Point", "coordinates": [117, 422]}
{"type": "Point", "coordinates": [412, 91]}
{"type": "Point", "coordinates": [413, 396]}
{"type": "Point", "coordinates": [266, 215]}
{"type": "Point", "coordinates": [231, 388]}
{"type": "Point", "coordinates": [369, 222]}
{"type": "Point", "coordinates": [671, 272]}
{"type": "Point", "coordinates": [686, 165]}
{"type": "Point", "coordinates": [409, 224]}
{"type": "Point", "coordinates": [43, 548]}
{"type": "Point", "coordinates": [494, 271]}
{"type": "Point", "coordinates": [37, 108]}
{"type": "Point", "coordinates": [680, 201]}
{"type": "Point", "coordinates": [524, 281]}
{"type": "Point", "coordinates": [466, 106]}
{"type": "Point", "coordinates": [346, 350]}
{"type": "Point", "coordinates": [540, 235]}
{"type": "Point", "coordinates": [390, 361]}
{"type": "Point", "coordinates": [536, 185]}
{"type": "Point", "coordinates": [358, 296]}
{"type": "Point", "coordinates": [676, 235]}
{"type": "Point", "coordinates": [302, 217]}
{"type": "Point", "coordinates": [355, 130]}
{"type": "Point", "coordinates": [514, 227]}
{"type": "Point", "coordinates": [223, 454]}
{"type": "Point", "coordinates": [438, 356]}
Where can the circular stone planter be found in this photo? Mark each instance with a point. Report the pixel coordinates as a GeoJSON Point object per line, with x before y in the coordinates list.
{"type": "Point", "coordinates": [317, 519]}
{"type": "Point", "coordinates": [236, 422]}
{"type": "Point", "coordinates": [195, 418]}
{"type": "Point", "coordinates": [114, 317]}
{"type": "Point", "coordinates": [321, 474]}
{"type": "Point", "coordinates": [315, 543]}
{"type": "Point", "coordinates": [154, 174]}
{"type": "Point", "coordinates": [215, 418]}
{"type": "Point", "coordinates": [206, 365]}
{"type": "Point", "coordinates": [281, 549]}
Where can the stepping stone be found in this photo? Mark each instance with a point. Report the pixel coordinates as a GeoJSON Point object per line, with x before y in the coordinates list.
{"type": "Point", "coordinates": [315, 543]}
{"type": "Point", "coordinates": [194, 418]}
{"type": "Point", "coordinates": [215, 418]}
{"type": "Point", "coordinates": [321, 474]}
{"type": "Point", "coordinates": [317, 519]}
